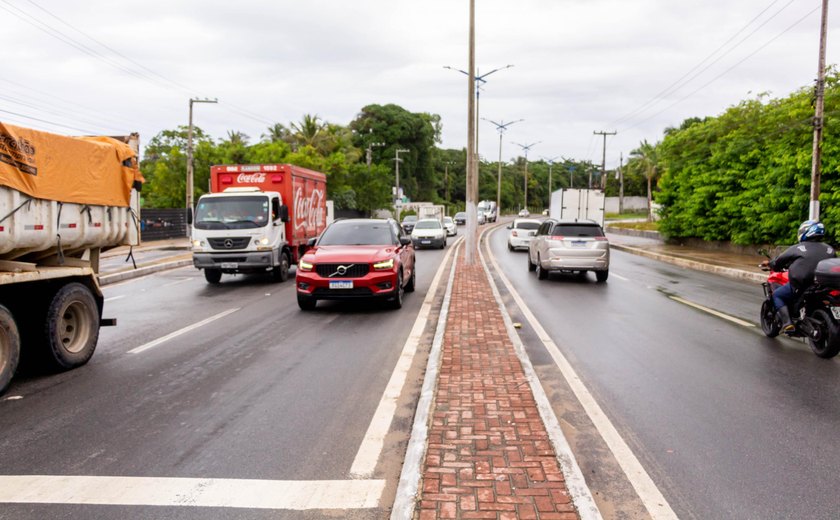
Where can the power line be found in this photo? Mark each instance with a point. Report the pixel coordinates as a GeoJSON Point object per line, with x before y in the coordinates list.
{"type": "Point", "coordinates": [679, 83]}
{"type": "Point", "coordinates": [748, 56]}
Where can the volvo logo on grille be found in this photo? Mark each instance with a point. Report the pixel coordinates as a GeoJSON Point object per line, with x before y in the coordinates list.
{"type": "Point", "coordinates": [341, 270]}
{"type": "Point", "coordinates": [228, 243]}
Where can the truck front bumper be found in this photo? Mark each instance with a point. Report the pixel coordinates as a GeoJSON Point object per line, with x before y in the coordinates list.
{"type": "Point", "coordinates": [245, 261]}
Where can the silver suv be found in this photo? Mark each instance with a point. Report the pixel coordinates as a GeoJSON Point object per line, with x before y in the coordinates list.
{"type": "Point", "coordinates": [569, 246]}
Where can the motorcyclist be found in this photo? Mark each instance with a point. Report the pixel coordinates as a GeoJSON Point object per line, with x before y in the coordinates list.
{"type": "Point", "coordinates": [801, 262]}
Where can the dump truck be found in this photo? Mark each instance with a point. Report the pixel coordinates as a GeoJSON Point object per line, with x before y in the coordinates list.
{"type": "Point", "coordinates": [257, 218]}
{"type": "Point", "coordinates": [63, 200]}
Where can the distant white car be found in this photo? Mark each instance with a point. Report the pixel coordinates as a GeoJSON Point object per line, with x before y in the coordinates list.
{"type": "Point", "coordinates": [428, 232]}
{"type": "Point", "coordinates": [524, 213]}
{"type": "Point", "coordinates": [522, 230]}
{"type": "Point", "coordinates": [449, 225]}
{"type": "Point", "coordinates": [481, 217]}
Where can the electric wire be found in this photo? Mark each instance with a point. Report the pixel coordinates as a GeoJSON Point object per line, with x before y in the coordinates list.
{"type": "Point", "coordinates": [759, 49]}
{"type": "Point", "coordinates": [689, 76]}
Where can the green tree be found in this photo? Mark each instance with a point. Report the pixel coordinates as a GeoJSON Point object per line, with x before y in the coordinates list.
{"type": "Point", "coordinates": [647, 158]}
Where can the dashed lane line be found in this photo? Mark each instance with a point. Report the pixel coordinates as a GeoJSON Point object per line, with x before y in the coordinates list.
{"type": "Point", "coordinates": [155, 343]}
{"type": "Point", "coordinates": [712, 312]}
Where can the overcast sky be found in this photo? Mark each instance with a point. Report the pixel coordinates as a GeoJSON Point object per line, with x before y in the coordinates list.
{"type": "Point", "coordinates": [578, 65]}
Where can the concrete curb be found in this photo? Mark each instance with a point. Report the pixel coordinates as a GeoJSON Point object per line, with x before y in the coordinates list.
{"type": "Point", "coordinates": [142, 271]}
{"type": "Point", "coordinates": [655, 235]}
{"type": "Point", "coordinates": [730, 272]}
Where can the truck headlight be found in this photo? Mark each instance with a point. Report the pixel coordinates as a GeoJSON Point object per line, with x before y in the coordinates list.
{"type": "Point", "coordinates": [385, 265]}
{"type": "Point", "coordinates": [304, 266]}
{"type": "Point", "coordinates": [198, 243]}
{"type": "Point", "coordinates": [261, 241]}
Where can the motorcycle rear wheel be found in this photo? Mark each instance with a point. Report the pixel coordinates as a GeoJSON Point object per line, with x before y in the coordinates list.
{"type": "Point", "coordinates": [826, 343]}
{"type": "Point", "coordinates": [769, 324]}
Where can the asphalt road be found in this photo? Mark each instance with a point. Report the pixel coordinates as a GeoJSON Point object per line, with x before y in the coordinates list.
{"type": "Point", "coordinates": [266, 392]}
{"type": "Point", "coordinates": [728, 423]}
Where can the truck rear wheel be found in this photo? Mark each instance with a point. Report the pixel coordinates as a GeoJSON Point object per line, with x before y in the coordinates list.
{"type": "Point", "coordinates": [71, 327]}
{"type": "Point", "coordinates": [213, 276]}
{"type": "Point", "coordinates": [9, 348]}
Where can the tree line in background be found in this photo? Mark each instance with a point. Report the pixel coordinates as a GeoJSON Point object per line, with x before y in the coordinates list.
{"type": "Point", "coordinates": [359, 162]}
{"type": "Point", "coordinates": [743, 176]}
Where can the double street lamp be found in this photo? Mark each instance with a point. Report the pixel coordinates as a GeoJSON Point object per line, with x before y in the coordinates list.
{"type": "Point", "coordinates": [526, 148]}
{"type": "Point", "coordinates": [501, 127]}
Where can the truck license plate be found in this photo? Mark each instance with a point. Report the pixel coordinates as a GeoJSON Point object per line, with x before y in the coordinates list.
{"type": "Point", "coordinates": [341, 284]}
{"type": "Point", "coordinates": [425, 241]}
{"type": "Point", "coordinates": [229, 265]}
{"type": "Point", "coordinates": [835, 311]}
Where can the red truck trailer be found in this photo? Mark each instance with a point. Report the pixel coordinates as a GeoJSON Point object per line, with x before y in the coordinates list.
{"type": "Point", "coordinates": [257, 218]}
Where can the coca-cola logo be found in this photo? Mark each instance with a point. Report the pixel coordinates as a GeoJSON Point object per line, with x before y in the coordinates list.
{"type": "Point", "coordinates": [309, 211]}
{"type": "Point", "coordinates": [251, 178]}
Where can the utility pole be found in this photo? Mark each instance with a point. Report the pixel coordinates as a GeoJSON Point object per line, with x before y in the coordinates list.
{"type": "Point", "coordinates": [501, 127]}
{"type": "Point", "coordinates": [446, 165]}
{"type": "Point", "coordinates": [550, 166]}
{"type": "Point", "coordinates": [814, 209]}
{"type": "Point", "coordinates": [190, 154]}
{"type": "Point", "coordinates": [471, 251]}
{"type": "Point", "coordinates": [621, 183]}
{"type": "Point", "coordinates": [603, 160]}
{"type": "Point", "coordinates": [397, 201]}
{"type": "Point", "coordinates": [526, 148]}
{"type": "Point", "coordinates": [369, 154]}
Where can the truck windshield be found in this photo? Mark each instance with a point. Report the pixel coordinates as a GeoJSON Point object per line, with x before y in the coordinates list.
{"type": "Point", "coordinates": [240, 212]}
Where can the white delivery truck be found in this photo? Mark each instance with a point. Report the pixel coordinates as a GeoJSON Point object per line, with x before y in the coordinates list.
{"type": "Point", "coordinates": [489, 208]}
{"type": "Point", "coordinates": [435, 211]}
{"type": "Point", "coordinates": [575, 204]}
{"type": "Point", "coordinates": [63, 200]}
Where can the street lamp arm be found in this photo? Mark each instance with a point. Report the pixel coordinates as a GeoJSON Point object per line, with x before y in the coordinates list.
{"type": "Point", "coordinates": [481, 78]}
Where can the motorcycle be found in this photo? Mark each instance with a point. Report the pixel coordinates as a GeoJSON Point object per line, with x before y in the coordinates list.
{"type": "Point", "coordinates": [815, 314]}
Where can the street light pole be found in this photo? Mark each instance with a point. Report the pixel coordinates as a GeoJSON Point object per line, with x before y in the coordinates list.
{"type": "Point", "coordinates": [190, 153]}
{"type": "Point", "coordinates": [501, 127]}
{"type": "Point", "coordinates": [526, 149]}
{"type": "Point", "coordinates": [397, 161]}
{"type": "Point", "coordinates": [550, 166]}
{"type": "Point", "coordinates": [814, 208]}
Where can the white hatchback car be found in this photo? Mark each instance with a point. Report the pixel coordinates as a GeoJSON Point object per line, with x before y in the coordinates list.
{"type": "Point", "coordinates": [449, 225]}
{"type": "Point", "coordinates": [522, 230]}
{"type": "Point", "coordinates": [428, 232]}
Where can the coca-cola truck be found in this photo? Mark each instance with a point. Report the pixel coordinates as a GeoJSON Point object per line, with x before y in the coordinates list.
{"type": "Point", "coordinates": [257, 218]}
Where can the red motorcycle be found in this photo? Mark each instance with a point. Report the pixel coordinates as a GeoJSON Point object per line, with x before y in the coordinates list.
{"type": "Point", "coordinates": [815, 314]}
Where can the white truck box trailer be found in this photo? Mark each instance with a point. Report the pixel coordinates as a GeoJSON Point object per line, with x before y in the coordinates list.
{"type": "Point", "coordinates": [575, 204]}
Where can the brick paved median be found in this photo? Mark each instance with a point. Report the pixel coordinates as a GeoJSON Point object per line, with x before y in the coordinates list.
{"type": "Point", "coordinates": [489, 455]}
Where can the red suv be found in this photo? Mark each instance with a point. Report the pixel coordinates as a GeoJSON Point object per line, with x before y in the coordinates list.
{"type": "Point", "coordinates": [357, 258]}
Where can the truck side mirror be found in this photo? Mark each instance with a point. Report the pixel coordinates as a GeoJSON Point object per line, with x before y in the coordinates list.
{"type": "Point", "coordinates": [189, 216]}
{"type": "Point", "coordinates": [284, 213]}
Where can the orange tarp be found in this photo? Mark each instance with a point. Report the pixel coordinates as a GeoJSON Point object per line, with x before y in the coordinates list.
{"type": "Point", "coordinates": [83, 170]}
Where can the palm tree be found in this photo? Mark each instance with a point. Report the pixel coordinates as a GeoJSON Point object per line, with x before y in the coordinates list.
{"type": "Point", "coordinates": [647, 157]}
{"type": "Point", "coordinates": [276, 133]}
{"type": "Point", "coordinates": [237, 138]}
{"type": "Point", "coordinates": [309, 131]}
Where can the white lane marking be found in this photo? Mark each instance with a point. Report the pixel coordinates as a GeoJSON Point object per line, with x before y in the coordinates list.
{"type": "Point", "coordinates": [176, 282]}
{"type": "Point", "coordinates": [194, 492]}
{"type": "Point", "coordinates": [575, 481]}
{"type": "Point", "coordinates": [112, 298]}
{"type": "Point", "coordinates": [374, 440]}
{"type": "Point", "coordinates": [620, 277]}
{"type": "Point", "coordinates": [155, 343]}
{"type": "Point", "coordinates": [406, 497]}
{"type": "Point", "coordinates": [649, 494]}
{"type": "Point", "coordinates": [712, 312]}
